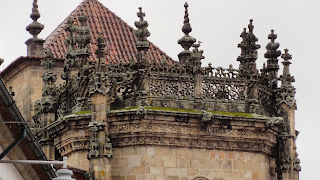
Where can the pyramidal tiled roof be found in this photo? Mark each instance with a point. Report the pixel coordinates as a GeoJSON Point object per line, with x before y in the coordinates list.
{"type": "Point", "coordinates": [120, 37]}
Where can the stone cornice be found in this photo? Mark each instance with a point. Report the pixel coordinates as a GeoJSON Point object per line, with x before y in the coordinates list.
{"type": "Point", "coordinates": [167, 128]}
{"type": "Point", "coordinates": [182, 129]}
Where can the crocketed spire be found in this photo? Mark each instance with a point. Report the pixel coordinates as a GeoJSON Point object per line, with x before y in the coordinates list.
{"type": "Point", "coordinates": [249, 53]}
{"type": "Point", "coordinates": [272, 54]}
{"type": "Point", "coordinates": [35, 27]}
{"type": "Point", "coordinates": [186, 41]}
{"type": "Point", "coordinates": [35, 44]}
{"type": "Point", "coordinates": [286, 77]}
{"type": "Point", "coordinates": [286, 92]}
{"type": "Point", "coordinates": [142, 33]}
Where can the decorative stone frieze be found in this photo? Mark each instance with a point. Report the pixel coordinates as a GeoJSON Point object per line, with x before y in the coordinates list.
{"type": "Point", "coordinates": [161, 128]}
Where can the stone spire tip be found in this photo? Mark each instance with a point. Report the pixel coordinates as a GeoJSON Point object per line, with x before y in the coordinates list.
{"type": "Point", "coordinates": [250, 26]}
{"type": "Point", "coordinates": [186, 28]}
{"type": "Point", "coordinates": [35, 27]}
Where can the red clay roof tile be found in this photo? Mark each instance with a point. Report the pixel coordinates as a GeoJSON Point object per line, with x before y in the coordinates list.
{"type": "Point", "coordinates": [120, 37]}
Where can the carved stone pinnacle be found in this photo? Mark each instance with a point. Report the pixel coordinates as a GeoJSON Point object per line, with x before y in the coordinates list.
{"type": "Point", "coordinates": [186, 28]}
{"type": "Point", "coordinates": [250, 26]}
{"type": "Point", "coordinates": [35, 27]}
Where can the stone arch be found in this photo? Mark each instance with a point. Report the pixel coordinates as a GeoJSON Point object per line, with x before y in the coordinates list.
{"type": "Point", "coordinates": [199, 177]}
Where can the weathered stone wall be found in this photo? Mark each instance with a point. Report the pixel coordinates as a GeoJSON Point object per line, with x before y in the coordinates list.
{"type": "Point", "coordinates": [26, 82]}
{"type": "Point", "coordinates": [79, 160]}
{"type": "Point", "coordinates": [171, 163]}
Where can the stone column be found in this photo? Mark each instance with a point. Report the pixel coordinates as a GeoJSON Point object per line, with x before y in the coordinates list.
{"type": "Point", "coordinates": [286, 108]}
{"type": "Point", "coordinates": [46, 142]}
{"type": "Point", "coordinates": [198, 101]}
{"type": "Point", "coordinates": [143, 87]}
{"type": "Point", "coordinates": [100, 147]}
{"type": "Point", "coordinates": [292, 171]}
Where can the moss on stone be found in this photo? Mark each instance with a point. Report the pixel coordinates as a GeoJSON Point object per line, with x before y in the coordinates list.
{"type": "Point", "coordinates": [171, 109]}
{"type": "Point", "coordinates": [126, 108]}
{"type": "Point", "coordinates": [82, 112]}
{"type": "Point", "coordinates": [157, 108]}
{"type": "Point", "coordinates": [225, 113]}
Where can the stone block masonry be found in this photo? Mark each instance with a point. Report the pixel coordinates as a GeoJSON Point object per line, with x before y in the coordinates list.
{"type": "Point", "coordinates": [171, 163]}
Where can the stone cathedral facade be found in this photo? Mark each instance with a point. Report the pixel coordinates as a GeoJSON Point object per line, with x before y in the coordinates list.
{"type": "Point", "coordinates": [98, 92]}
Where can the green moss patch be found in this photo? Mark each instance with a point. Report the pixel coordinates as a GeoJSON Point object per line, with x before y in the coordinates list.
{"type": "Point", "coordinates": [232, 113]}
{"type": "Point", "coordinates": [82, 112]}
{"type": "Point", "coordinates": [157, 108]}
{"type": "Point", "coordinates": [172, 109]}
{"type": "Point", "coordinates": [126, 108]}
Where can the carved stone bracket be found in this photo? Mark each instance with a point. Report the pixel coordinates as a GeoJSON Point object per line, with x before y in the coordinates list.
{"type": "Point", "coordinates": [99, 148]}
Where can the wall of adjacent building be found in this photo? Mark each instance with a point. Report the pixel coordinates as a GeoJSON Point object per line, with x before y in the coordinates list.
{"type": "Point", "coordinates": [8, 171]}
{"type": "Point", "coordinates": [172, 163]}
{"type": "Point", "coordinates": [26, 82]}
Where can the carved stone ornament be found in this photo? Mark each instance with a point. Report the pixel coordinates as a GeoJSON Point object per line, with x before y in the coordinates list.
{"type": "Point", "coordinates": [142, 33]}
{"type": "Point", "coordinates": [286, 92]}
{"type": "Point", "coordinates": [94, 150]}
{"type": "Point", "coordinates": [49, 89]}
{"type": "Point", "coordinates": [193, 133]}
{"type": "Point", "coordinates": [274, 121]}
{"type": "Point", "coordinates": [248, 54]}
{"type": "Point", "coordinates": [207, 116]}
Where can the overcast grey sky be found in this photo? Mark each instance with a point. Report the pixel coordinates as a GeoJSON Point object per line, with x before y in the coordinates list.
{"type": "Point", "coordinates": [218, 24]}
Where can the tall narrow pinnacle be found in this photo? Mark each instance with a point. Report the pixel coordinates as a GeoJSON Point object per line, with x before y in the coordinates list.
{"type": "Point", "coordinates": [141, 14]}
{"type": "Point", "coordinates": [35, 44]}
{"type": "Point", "coordinates": [186, 41]}
{"type": "Point", "coordinates": [142, 33]}
{"type": "Point", "coordinates": [251, 26]}
{"type": "Point", "coordinates": [35, 27]}
{"type": "Point", "coordinates": [286, 63]}
{"type": "Point", "coordinates": [286, 92]}
{"type": "Point", "coordinates": [249, 53]}
{"type": "Point", "coordinates": [272, 54]}
{"type": "Point", "coordinates": [186, 28]}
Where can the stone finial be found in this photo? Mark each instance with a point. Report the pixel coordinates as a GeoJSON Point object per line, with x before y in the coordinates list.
{"type": "Point", "coordinates": [286, 92]}
{"type": "Point", "coordinates": [272, 54]}
{"type": "Point", "coordinates": [49, 89]}
{"type": "Point", "coordinates": [186, 41]}
{"type": "Point", "coordinates": [82, 19]}
{"type": "Point", "coordinates": [1, 61]}
{"type": "Point", "coordinates": [286, 63]}
{"type": "Point", "coordinates": [35, 27]}
{"type": "Point", "coordinates": [101, 52]}
{"type": "Point", "coordinates": [249, 53]}
{"type": "Point", "coordinates": [141, 14]}
{"type": "Point", "coordinates": [82, 38]}
{"type": "Point", "coordinates": [251, 26]}
{"type": "Point", "coordinates": [186, 28]}
{"type": "Point", "coordinates": [142, 33]}
{"type": "Point", "coordinates": [35, 44]}
{"type": "Point", "coordinates": [196, 56]}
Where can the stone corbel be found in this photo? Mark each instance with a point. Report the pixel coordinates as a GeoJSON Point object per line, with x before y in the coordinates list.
{"type": "Point", "coordinates": [274, 121]}
{"type": "Point", "coordinates": [206, 116]}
